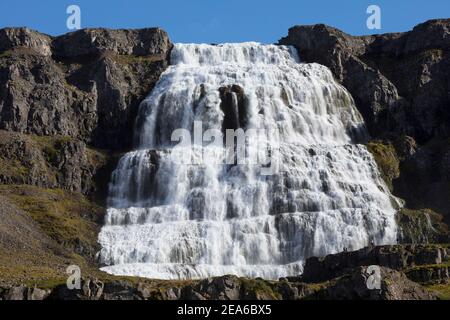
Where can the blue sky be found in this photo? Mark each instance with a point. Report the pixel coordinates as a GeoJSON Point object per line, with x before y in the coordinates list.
{"type": "Point", "coordinates": [214, 21]}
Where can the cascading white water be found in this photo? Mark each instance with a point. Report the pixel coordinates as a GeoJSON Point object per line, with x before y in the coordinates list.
{"type": "Point", "coordinates": [169, 218]}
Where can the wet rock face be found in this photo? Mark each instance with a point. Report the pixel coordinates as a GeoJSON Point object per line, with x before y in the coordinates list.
{"type": "Point", "coordinates": [86, 84]}
{"type": "Point", "coordinates": [399, 81]}
{"type": "Point", "coordinates": [421, 226]}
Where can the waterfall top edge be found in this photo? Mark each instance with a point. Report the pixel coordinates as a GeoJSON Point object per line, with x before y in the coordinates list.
{"type": "Point", "coordinates": [234, 53]}
{"type": "Point", "coordinates": [228, 43]}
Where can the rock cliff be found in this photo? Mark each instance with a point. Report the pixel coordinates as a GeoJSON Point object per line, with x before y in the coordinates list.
{"type": "Point", "coordinates": [86, 85]}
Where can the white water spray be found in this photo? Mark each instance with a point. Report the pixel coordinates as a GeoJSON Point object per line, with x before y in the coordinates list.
{"type": "Point", "coordinates": [171, 220]}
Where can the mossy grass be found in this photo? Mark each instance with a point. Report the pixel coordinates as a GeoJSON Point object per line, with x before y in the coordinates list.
{"type": "Point", "coordinates": [441, 290]}
{"type": "Point", "coordinates": [260, 287]}
{"type": "Point", "coordinates": [58, 212]}
{"type": "Point", "coordinates": [133, 59]}
{"type": "Point", "coordinates": [387, 160]}
{"type": "Point", "coordinates": [6, 53]}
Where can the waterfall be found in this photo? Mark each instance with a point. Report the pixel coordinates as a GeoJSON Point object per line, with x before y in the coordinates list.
{"type": "Point", "coordinates": [178, 209]}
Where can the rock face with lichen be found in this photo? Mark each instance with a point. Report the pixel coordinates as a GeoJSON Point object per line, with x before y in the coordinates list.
{"type": "Point", "coordinates": [86, 85]}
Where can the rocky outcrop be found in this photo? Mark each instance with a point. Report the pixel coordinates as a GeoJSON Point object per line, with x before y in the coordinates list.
{"type": "Point", "coordinates": [421, 226]}
{"type": "Point", "coordinates": [424, 179]}
{"type": "Point", "coordinates": [91, 42]}
{"type": "Point", "coordinates": [86, 85]}
{"type": "Point", "coordinates": [52, 162]}
{"type": "Point", "coordinates": [397, 257]}
{"type": "Point", "coordinates": [67, 109]}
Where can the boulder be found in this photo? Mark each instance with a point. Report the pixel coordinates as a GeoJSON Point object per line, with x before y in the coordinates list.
{"type": "Point", "coordinates": [16, 293]}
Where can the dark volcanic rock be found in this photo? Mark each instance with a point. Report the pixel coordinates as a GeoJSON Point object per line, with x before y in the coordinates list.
{"type": "Point", "coordinates": [52, 162]}
{"type": "Point", "coordinates": [87, 84]}
{"type": "Point", "coordinates": [425, 178]}
{"type": "Point", "coordinates": [394, 285]}
{"type": "Point", "coordinates": [393, 257]}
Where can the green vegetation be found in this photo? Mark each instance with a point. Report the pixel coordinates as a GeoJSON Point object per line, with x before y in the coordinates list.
{"type": "Point", "coordinates": [30, 157]}
{"type": "Point", "coordinates": [60, 214]}
{"type": "Point", "coordinates": [260, 289]}
{"type": "Point", "coordinates": [68, 227]}
{"type": "Point", "coordinates": [387, 160]}
{"type": "Point", "coordinates": [13, 167]}
{"type": "Point", "coordinates": [63, 225]}
{"type": "Point", "coordinates": [442, 290]}
{"type": "Point", "coordinates": [97, 158]}
{"type": "Point", "coordinates": [51, 145]}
